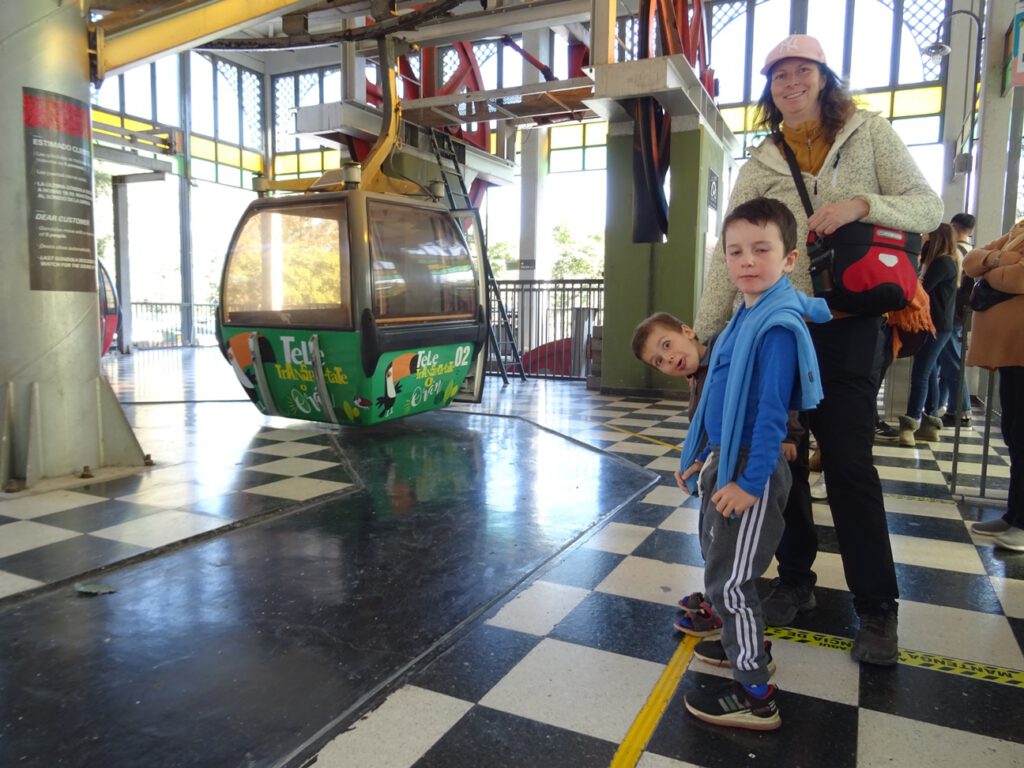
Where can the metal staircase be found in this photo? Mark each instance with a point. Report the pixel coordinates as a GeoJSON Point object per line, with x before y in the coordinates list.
{"type": "Point", "coordinates": [469, 219]}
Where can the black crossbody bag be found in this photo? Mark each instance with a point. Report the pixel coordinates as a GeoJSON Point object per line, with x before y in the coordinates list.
{"type": "Point", "coordinates": [863, 269]}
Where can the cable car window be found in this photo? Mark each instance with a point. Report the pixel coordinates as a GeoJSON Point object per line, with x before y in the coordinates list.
{"type": "Point", "coordinates": [420, 265]}
{"type": "Point", "coordinates": [291, 267]}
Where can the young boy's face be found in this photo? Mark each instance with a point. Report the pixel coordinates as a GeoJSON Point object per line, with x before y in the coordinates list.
{"type": "Point", "coordinates": [756, 257]}
{"type": "Point", "coordinates": [672, 350]}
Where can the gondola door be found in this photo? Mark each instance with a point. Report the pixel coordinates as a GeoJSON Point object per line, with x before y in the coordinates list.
{"type": "Point", "coordinates": [472, 388]}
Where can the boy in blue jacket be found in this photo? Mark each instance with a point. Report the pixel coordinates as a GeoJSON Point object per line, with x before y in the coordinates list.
{"type": "Point", "coordinates": [762, 366]}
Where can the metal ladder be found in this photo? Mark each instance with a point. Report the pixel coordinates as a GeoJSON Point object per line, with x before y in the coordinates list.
{"type": "Point", "coordinates": [459, 202]}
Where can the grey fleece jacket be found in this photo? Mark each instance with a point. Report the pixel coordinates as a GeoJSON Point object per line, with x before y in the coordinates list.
{"type": "Point", "coordinates": [867, 160]}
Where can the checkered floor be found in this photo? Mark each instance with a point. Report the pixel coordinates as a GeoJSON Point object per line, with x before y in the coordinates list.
{"type": "Point", "coordinates": [557, 673]}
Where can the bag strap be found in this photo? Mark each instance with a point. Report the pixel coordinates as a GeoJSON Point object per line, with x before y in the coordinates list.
{"type": "Point", "coordinates": [798, 177]}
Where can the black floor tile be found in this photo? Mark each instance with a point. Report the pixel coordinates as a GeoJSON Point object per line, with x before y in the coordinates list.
{"type": "Point", "coordinates": [915, 490]}
{"type": "Point", "coordinates": [1001, 562]}
{"type": "Point", "coordinates": [928, 527]}
{"type": "Point", "coordinates": [93, 517]}
{"type": "Point", "coordinates": [68, 558]}
{"type": "Point", "coordinates": [476, 662]}
{"type": "Point", "coordinates": [581, 567]}
{"type": "Point", "coordinates": [978, 706]}
{"type": "Point", "coordinates": [800, 741]}
{"type": "Point", "coordinates": [634, 628]}
{"type": "Point", "coordinates": [650, 515]}
{"type": "Point", "coordinates": [936, 586]}
{"type": "Point", "coordinates": [489, 737]}
{"type": "Point", "coordinates": [240, 506]}
{"type": "Point", "coordinates": [671, 547]}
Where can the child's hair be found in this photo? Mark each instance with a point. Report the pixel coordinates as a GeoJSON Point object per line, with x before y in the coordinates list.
{"type": "Point", "coordinates": [646, 327]}
{"type": "Point", "coordinates": [763, 211]}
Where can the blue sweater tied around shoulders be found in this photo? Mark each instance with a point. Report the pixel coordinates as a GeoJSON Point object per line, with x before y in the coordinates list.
{"type": "Point", "coordinates": [781, 305]}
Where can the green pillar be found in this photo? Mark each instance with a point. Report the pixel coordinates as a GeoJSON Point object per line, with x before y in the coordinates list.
{"type": "Point", "coordinates": [642, 278]}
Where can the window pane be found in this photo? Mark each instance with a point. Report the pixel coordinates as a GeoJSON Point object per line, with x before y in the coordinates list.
{"type": "Point", "coordinates": [167, 93]}
{"type": "Point", "coordinates": [512, 66]}
{"type": "Point", "coordinates": [872, 43]}
{"type": "Point", "coordinates": [138, 92]}
{"type": "Point", "coordinates": [228, 128]}
{"type": "Point", "coordinates": [284, 114]}
{"type": "Point", "coordinates": [771, 26]}
{"type": "Point", "coordinates": [596, 133]}
{"type": "Point", "coordinates": [929, 158]}
{"type": "Point", "coordinates": [563, 136]}
{"type": "Point", "coordinates": [291, 266]}
{"type": "Point", "coordinates": [917, 101]}
{"type": "Point", "coordinates": [880, 102]}
{"type": "Point", "coordinates": [109, 94]}
{"type": "Point", "coordinates": [332, 86]}
{"type": "Point", "coordinates": [420, 265]}
{"type": "Point", "coordinates": [595, 158]}
{"type": "Point", "coordinates": [202, 94]}
{"type": "Point", "coordinates": [826, 20]}
{"type": "Point", "coordinates": [918, 130]}
{"type": "Point", "coordinates": [562, 160]}
{"type": "Point", "coordinates": [252, 110]}
{"type": "Point", "coordinates": [728, 39]}
{"type": "Point", "coordinates": [921, 20]}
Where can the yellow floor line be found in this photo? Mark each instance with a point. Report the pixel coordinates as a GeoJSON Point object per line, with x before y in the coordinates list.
{"type": "Point", "coordinates": [649, 439]}
{"type": "Point", "coordinates": [639, 733]}
{"type": "Point", "coordinates": [947, 664]}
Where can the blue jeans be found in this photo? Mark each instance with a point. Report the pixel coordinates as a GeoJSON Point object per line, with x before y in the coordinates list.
{"type": "Point", "coordinates": [949, 373]}
{"type": "Point", "coordinates": [923, 373]}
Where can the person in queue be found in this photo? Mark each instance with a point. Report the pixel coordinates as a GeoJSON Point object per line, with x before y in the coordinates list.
{"type": "Point", "coordinates": [856, 168]}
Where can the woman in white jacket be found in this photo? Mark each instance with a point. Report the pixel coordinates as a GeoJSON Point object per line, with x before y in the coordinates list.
{"type": "Point", "coordinates": [855, 168]}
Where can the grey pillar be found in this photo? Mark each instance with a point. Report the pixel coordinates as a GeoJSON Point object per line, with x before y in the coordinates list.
{"type": "Point", "coordinates": [57, 413]}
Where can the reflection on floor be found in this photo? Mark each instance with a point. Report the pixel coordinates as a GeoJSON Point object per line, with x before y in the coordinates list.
{"type": "Point", "coordinates": [460, 589]}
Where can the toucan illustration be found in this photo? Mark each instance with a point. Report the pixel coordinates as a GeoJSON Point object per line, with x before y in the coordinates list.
{"type": "Point", "coordinates": [398, 369]}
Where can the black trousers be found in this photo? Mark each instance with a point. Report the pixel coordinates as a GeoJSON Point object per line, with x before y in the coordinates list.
{"type": "Point", "coordinates": [1011, 398]}
{"type": "Point", "coordinates": [851, 358]}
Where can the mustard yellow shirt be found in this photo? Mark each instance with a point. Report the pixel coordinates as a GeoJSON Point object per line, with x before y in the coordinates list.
{"type": "Point", "coordinates": [809, 145]}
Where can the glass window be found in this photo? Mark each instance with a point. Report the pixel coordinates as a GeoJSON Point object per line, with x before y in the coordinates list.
{"type": "Point", "coordinates": [918, 130]}
{"type": "Point", "coordinates": [109, 94]}
{"type": "Point", "coordinates": [138, 92]}
{"type": "Point", "coordinates": [167, 93]}
{"type": "Point", "coordinates": [872, 45]}
{"type": "Point", "coordinates": [284, 114]}
{"type": "Point", "coordinates": [227, 102]}
{"type": "Point", "coordinates": [420, 265]}
{"type": "Point", "coordinates": [826, 20]}
{"type": "Point", "coordinates": [771, 24]}
{"type": "Point", "coordinates": [252, 110]}
{"type": "Point", "coordinates": [202, 94]}
{"type": "Point", "coordinates": [290, 266]}
{"type": "Point", "coordinates": [512, 66]}
{"type": "Point", "coordinates": [728, 41]}
{"type": "Point", "coordinates": [332, 86]}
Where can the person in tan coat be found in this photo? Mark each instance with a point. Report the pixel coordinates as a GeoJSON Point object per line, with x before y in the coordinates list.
{"type": "Point", "coordinates": [997, 343]}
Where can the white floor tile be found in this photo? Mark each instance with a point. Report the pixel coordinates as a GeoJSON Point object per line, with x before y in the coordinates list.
{"type": "Point", "coordinates": [290, 433]}
{"type": "Point", "coordinates": [665, 432]}
{"type": "Point", "coordinates": [537, 609]}
{"type": "Point", "coordinates": [683, 520]}
{"type": "Point", "coordinates": [298, 488]}
{"type": "Point", "coordinates": [293, 467]}
{"type": "Point", "coordinates": [599, 434]}
{"type": "Point", "coordinates": [884, 741]}
{"type": "Point", "coordinates": [640, 449]}
{"type": "Point", "coordinates": [173, 495]}
{"type": "Point", "coordinates": [960, 633]}
{"type": "Point", "coordinates": [24, 535]}
{"type": "Point", "coordinates": [621, 538]}
{"type": "Point", "coordinates": [29, 507]}
{"type": "Point", "coordinates": [828, 566]}
{"type": "Point", "coordinates": [1011, 595]}
{"type": "Point", "coordinates": [396, 734]}
{"type": "Point", "coordinates": [668, 495]}
{"type": "Point", "coordinates": [932, 553]}
{"type": "Point", "coordinates": [820, 672]}
{"type": "Point", "coordinates": [582, 689]}
{"type": "Point", "coordinates": [650, 760]}
{"type": "Point", "coordinates": [653, 580]}
{"type": "Point", "coordinates": [11, 583]}
{"type": "Point", "coordinates": [161, 528]}
{"type": "Point", "coordinates": [287, 449]}
{"type": "Point", "coordinates": [660, 411]}
{"type": "Point", "coordinates": [943, 509]}
{"type": "Point", "coordinates": [664, 464]}
{"type": "Point", "coordinates": [912, 475]}
{"type": "Point", "coordinates": [994, 469]}
{"type": "Point", "coordinates": [630, 423]}
{"type": "Point", "coordinates": [822, 513]}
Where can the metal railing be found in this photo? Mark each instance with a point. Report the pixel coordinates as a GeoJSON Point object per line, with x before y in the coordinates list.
{"type": "Point", "coordinates": [552, 322]}
{"type": "Point", "coordinates": [156, 325]}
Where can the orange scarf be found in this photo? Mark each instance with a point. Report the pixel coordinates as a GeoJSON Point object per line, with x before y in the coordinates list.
{"type": "Point", "coordinates": [913, 318]}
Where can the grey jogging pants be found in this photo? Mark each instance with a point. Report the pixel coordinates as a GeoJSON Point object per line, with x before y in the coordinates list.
{"type": "Point", "coordinates": [736, 552]}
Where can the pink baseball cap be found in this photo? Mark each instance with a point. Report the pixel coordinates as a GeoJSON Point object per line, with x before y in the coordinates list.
{"type": "Point", "coordinates": [794, 47]}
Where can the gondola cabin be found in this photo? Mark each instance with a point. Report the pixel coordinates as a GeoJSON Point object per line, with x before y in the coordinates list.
{"type": "Point", "coordinates": [353, 307]}
{"type": "Point", "coordinates": [110, 308]}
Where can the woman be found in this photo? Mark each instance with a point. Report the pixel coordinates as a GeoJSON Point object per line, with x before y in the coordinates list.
{"type": "Point", "coordinates": [855, 168]}
{"type": "Point", "coordinates": [996, 344]}
{"type": "Point", "coordinates": [939, 278]}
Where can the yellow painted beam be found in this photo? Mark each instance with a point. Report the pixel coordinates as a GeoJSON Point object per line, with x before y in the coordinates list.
{"type": "Point", "coordinates": [117, 51]}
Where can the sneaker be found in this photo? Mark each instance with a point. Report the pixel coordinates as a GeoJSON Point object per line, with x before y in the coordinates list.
{"type": "Point", "coordinates": [885, 431]}
{"type": "Point", "coordinates": [818, 490]}
{"type": "Point", "coordinates": [1012, 539]}
{"type": "Point", "coordinates": [949, 420]}
{"type": "Point", "coordinates": [876, 639]}
{"type": "Point", "coordinates": [732, 705]}
{"type": "Point", "coordinates": [713, 652]}
{"type": "Point", "coordinates": [693, 602]}
{"type": "Point", "coordinates": [785, 601]}
{"type": "Point", "coordinates": [991, 527]}
{"type": "Point", "coordinates": [703, 622]}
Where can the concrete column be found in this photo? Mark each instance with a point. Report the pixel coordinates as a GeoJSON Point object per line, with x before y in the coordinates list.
{"type": "Point", "coordinates": [57, 413]}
